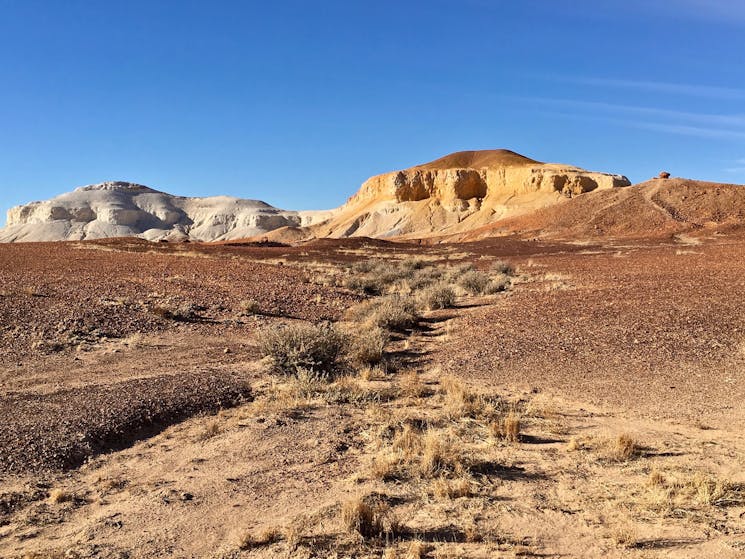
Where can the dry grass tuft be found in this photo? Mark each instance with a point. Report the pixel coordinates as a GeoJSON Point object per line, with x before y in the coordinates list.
{"type": "Point", "coordinates": [212, 429]}
{"type": "Point", "coordinates": [268, 536]}
{"type": "Point", "coordinates": [506, 428]}
{"type": "Point", "coordinates": [439, 454]}
{"type": "Point", "coordinates": [625, 536]}
{"type": "Point", "coordinates": [460, 402]}
{"type": "Point", "coordinates": [411, 385]}
{"type": "Point", "coordinates": [417, 550]}
{"type": "Point", "coordinates": [57, 496]}
{"type": "Point", "coordinates": [370, 517]}
{"type": "Point", "coordinates": [622, 449]}
{"type": "Point", "coordinates": [445, 488]}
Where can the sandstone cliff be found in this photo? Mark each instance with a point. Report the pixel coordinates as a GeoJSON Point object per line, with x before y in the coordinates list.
{"type": "Point", "coordinates": [459, 192]}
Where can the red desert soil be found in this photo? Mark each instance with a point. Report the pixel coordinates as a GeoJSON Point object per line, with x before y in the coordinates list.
{"type": "Point", "coordinates": [653, 209]}
{"type": "Point", "coordinates": [479, 159]}
{"type": "Point", "coordinates": [114, 353]}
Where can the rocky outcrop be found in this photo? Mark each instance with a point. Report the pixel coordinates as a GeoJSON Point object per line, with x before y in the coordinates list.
{"type": "Point", "coordinates": [455, 194]}
{"type": "Point", "coordinates": [447, 185]}
{"type": "Point", "coordinates": [458, 192]}
{"type": "Point", "coordinates": [122, 209]}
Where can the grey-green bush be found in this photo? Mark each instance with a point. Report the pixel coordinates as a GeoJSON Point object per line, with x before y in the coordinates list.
{"type": "Point", "coordinates": [438, 296]}
{"type": "Point", "coordinates": [303, 347]}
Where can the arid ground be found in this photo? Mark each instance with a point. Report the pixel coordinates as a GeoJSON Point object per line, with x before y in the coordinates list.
{"type": "Point", "coordinates": [594, 407]}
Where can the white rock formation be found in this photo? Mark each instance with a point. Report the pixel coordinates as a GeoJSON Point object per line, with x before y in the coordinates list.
{"type": "Point", "coordinates": [122, 209]}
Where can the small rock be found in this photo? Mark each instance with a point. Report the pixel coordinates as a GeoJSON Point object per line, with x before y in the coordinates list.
{"type": "Point", "coordinates": [186, 496]}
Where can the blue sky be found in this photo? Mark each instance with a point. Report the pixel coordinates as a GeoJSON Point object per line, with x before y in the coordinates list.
{"type": "Point", "coordinates": [297, 102]}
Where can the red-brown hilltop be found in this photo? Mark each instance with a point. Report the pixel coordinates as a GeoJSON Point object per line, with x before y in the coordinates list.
{"type": "Point", "coordinates": [479, 159]}
{"type": "Point", "coordinates": [653, 208]}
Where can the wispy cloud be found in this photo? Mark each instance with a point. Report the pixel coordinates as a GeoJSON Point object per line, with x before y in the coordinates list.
{"type": "Point", "coordinates": [692, 90]}
{"type": "Point", "coordinates": [710, 119]}
{"type": "Point", "coordinates": [702, 125]}
{"type": "Point", "coordinates": [685, 130]}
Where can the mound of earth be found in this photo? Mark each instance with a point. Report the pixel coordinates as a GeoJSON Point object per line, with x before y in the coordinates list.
{"type": "Point", "coordinates": [656, 208]}
{"type": "Point", "coordinates": [122, 209]}
{"type": "Point", "coordinates": [458, 193]}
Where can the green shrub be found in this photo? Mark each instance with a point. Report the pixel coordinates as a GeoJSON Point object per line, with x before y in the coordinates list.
{"type": "Point", "coordinates": [497, 284]}
{"type": "Point", "coordinates": [393, 312]}
{"type": "Point", "coordinates": [474, 282]}
{"type": "Point", "coordinates": [501, 267]}
{"type": "Point", "coordinates": [303, 347]}
{"type": "Point", "coordinates": [439, 296]}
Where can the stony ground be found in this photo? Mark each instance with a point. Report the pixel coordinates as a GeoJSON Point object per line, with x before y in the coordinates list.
{"type": "Point", "coordinates": [115, 356]}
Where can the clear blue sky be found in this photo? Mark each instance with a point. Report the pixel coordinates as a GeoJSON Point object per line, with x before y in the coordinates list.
{"type": "Point", "coordinates": [297, 102]}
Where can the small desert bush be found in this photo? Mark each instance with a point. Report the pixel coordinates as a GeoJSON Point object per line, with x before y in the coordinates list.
{"type": "Point", "coordinates": [497, 284]}
{"type": "Point", "coordinates": [438, 296]}
{"type": "Point", "coordinates": [474, 282]}
{"type": "Point", "coordinates": [303, 347]}
{"type": "Point", "coordinates": [454, 273]}
{"type": "Point", "coordinates": [367, 345]}
{"type": "Point", "coordinates": [249, 307]}
{"type": "Point", "coordinates": [370, 517]}
{"type": "Point", "coordinates": [181, 313]}
{"type": "Point", "coordinates": [394, 312]}
{"type": "Point", "coordinates": [424, 278]}
{"type": "Point", "coordinates": [376, 277]}
{"type": "Point", "coordinates": [501, 267]}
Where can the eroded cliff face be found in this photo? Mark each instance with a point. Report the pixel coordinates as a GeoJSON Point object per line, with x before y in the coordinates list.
{"type": "Point", "coordinates": [458, 192]}
{"type": "Point", "coordinates": [449, 185]}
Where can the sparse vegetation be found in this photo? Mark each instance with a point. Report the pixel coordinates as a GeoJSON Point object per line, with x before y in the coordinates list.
{"type": "Point", "coordinates": [185, 312]}
{"type": "Point", "coordinates": [265, 537]}
{"type": "Point", "coordinates": [367, 345]}
{"type": "Point", "coordinates": [248, 307]}
{"type": "Point", "coordinates": [370, 517]}
{"type": "Point", "coordinates": [622, 448]}
{"type": "Point", "coordinates": [294, 348]}
{"type": "Point", "coordinates": [394, 312]}
{"type": "Point", "coordinates": [58, 496]}
{"type": "Point", "coordinates": [474, 282]}
{"type": "Point", "coordinates": [438, 296]}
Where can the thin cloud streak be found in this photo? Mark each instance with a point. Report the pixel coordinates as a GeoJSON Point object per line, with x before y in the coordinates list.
{"type": "Point", "coordinates": [677, 129]}
{"type": "Point", "coordinates": [692, 90]}
{"type": "Point", "coordinates": [732, 120]}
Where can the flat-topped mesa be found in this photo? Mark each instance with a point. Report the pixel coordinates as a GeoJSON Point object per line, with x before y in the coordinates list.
{"type": "Point", "coordinates": [467, 175]}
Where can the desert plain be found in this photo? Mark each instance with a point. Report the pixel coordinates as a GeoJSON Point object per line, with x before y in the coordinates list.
{"type": "Point", "coordinates": [557, 397]}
